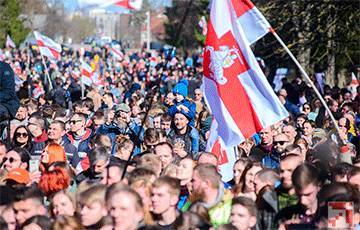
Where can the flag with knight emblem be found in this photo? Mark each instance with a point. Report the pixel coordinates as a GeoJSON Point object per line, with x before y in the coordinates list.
{"type": "Point", "coordinates": [235, 88]}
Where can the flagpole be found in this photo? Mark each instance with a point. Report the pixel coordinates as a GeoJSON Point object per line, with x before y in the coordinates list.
{"type": "Point", "coordinates": [82, 87]}
{"type": "Point", "coordinates": [28, 72]}
{"type": "Point", "coordinates": [307, 78]}
{"type": "Point", "coordinates": [46, 72]}
{"type": "Point", "coordinates": [148, 30]}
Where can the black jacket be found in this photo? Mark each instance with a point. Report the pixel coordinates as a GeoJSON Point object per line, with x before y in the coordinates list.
{"type": "Point", "coordinates": [8, 97]}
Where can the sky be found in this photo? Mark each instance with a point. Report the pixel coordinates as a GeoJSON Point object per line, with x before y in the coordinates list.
{"type": "Point", "coordinates": [72, 5]}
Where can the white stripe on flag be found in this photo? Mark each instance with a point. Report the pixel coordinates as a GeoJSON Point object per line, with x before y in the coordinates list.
{"type": "Point", "coordinates": [265, 103]}
{"type": "Point", "coordinates": [86, 80]}
{"type": "Point", "coordinates": [86, 73]}
{"type": "Point", "coordinates": [47, 46]}
{"type": "Point", "coordinates": [228, 129]}
{"type": "Point", "coordinates": [10, 42]}
{"type": "Point", "coordinates": [254, 24]}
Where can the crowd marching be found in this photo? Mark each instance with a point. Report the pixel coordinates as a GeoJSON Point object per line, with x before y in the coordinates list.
{"type": "Point", "coordinates": [129, 150]}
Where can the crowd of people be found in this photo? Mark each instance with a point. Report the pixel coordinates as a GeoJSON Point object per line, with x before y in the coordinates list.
{"type": "Point", "coordinates": [129, 151]}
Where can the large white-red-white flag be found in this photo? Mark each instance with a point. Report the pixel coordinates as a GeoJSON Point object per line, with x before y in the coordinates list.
{"type": "Point", "coordinates": [86, 73]}
{"type": "Point", "coordinates": [47, 46]}
{"type": "Point", "coordinates": [128, 4]}
{"type": "Point", "coordinates": [9, 42]}
{"type": "Point", "coordinates": [235, 88]}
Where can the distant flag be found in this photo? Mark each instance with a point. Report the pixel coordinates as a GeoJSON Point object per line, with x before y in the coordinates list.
{"type": "Point", "coordinates": [354, 80]}
{"type": "Point", "coordinates": [117, 53]}
{"type": "Point", "coordinates": [88, 4]}
{"type": "Point", "coordinates": [353, 85]}
{"type": "Point", "coordinates": [128, 4]}
{"type": "Point", "coordinates": [86, 73]}
{"type": "Point", "coordinates": [47, 46]}
{"type": "Point", "coordinates": [9, 42]}
{"type": "Point", "coordinates": [203, 25]}
{"type": "Point", "coordinates": [235, 88]}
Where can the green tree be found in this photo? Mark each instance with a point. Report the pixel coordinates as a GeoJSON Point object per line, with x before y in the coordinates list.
{"type": "Point", "coordinates": [182, 28]}
{"type": "Point", "coordinates": [322, 34]}
{"type": "Point", "coordinates": [11, 23]}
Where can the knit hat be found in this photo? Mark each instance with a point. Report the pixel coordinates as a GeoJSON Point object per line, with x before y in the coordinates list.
{"type": "Point", "coordinates": [181, 88]}
{"type": "Point", "coordinates": [18, 175]}
{"type": "Point", "coordinates": [185, 114]}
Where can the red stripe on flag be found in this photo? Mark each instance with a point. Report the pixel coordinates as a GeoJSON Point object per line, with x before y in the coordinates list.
{"type": "Point", "coordinates": [232, 93]}
{"type": "Point", "coordinates": [55, 53]}
{"type": "Point", "coordinates": [242, 6]}
{"type": "Point", "coordinates": [220, 153]}
{"type": "Point", "coordinates": [118, 52]}
{"type": "Point", "coordinates": [124, 3]}
{"type": "Point", "coordinates": [85, 73]}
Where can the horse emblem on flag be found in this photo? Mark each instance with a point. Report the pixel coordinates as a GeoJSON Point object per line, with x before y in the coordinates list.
{"type": "Point", "coordinates": [221, 59]}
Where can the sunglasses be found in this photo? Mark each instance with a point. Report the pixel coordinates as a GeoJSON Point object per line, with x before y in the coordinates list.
{"type": "Point", "coordinates": [150, 146]}
{"type": "Point", "coordinates": [10, 159]}
{"type": "Point", "coordinates": [279, 142]}
{"type": "Point", "coordinates": [21, 135]}
{"type": "Point", "coordinates": [74, 121]}
{"type": "Point", "coordinates": [30, 123]}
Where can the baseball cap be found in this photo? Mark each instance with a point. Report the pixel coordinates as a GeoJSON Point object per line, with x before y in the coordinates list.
{"type": "Point", "coordinates": [18, 175]}
{"type": "Point", "coordinates": [319, 133]}
{"type": "Point", "coordinates": [123, 107]}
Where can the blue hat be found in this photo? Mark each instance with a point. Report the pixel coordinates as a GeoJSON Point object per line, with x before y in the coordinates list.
{"type": "Point", "coordinates": [181, 88]}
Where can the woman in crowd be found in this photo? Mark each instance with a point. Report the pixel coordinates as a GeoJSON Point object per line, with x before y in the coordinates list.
{"type": "Point", "coordinates": [239, 167]}
{"type": "Point", "coordinates": [143, 188]}
{"type": "Point", "coordinates": [52, 153]}
{"type": "Point", "coordinates": [308, 111]}
{"type": "Point", "coordinates": [22, 138]}
{"type": "Point", "coordinates": [308, 130]}
{"type": "Point", "coordinates": [54, 180]}
{"type": "Point", "coordinates": [63, 203]}
{"type": "Point", "coordinates": [246, 184]}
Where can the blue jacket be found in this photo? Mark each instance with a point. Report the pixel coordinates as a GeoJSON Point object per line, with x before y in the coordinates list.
{"type": "Point", "coordinates": [111, 130]}
{"type": "Point", "coordinates": [190, 114]}
{"type": "Point", "coordinates": [8, 96]}
{"type": "Point", "coordinates": [271, 161]}
{"type": "Point", "coordinates": [83, 147]}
